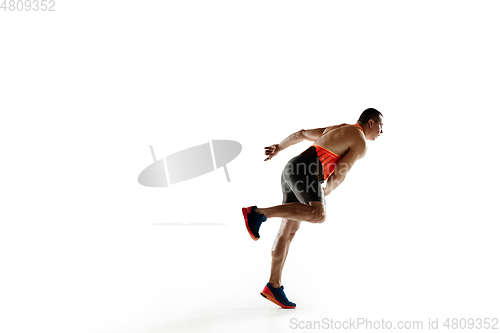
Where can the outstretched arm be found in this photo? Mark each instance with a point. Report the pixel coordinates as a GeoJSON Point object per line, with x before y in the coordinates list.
{"type": "Point", "coordinates": [311, 135]}
{"type": "Point", "coordinates": [292, 139]}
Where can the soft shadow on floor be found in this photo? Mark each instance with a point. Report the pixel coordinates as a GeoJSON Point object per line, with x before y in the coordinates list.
{"type": "Point", "coordinates": [248, 319]}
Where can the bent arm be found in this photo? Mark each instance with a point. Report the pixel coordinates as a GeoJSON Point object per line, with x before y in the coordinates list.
{"type": "Point", "coordinates": [292, 139]}
{"type": "Point", "coordinates": [299, 136]}
{"type": "Point", "coordinates": [344, 166]}
{"type": "Point", "coordinates": [314, 134]}
{"type": "Point", "coordinates": [310, 134]}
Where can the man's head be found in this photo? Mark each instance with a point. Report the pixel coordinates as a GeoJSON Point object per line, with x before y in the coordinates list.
{"type": "Point", "coordinates": [371, 121]}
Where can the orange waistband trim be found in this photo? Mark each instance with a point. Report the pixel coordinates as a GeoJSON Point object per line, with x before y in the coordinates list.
{"type": "Point", "coordinates": [323, 148]}
{"type": "Point", "coordinates": [328, 160]}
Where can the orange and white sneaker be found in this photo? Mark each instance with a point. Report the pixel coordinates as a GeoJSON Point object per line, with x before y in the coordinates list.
{"type": "Point", "coordinates": [277, 296]}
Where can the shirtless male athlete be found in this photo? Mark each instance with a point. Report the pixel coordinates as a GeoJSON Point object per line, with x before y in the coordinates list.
{"type": "Point", "coordinates": [334, 152]}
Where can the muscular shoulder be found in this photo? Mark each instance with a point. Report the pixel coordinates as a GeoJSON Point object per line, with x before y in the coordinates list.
{"type": "Point", "coordinates": [357, 140]}
{"type": "Point", "coordinates": [330, 128]}
{"type": "Point", "coordinates": [343, 139]}
{"type": "Point", "coordinates": [358, 144]}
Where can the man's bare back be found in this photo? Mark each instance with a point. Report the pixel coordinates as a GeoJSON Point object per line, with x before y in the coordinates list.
{"type": "Point", "coordinates": [339, 140]}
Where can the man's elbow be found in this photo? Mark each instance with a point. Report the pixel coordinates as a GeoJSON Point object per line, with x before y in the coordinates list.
{"type": "Point", "coordinates": [342, 168]}
{"type": "Point", "coordinates": [338, 178]}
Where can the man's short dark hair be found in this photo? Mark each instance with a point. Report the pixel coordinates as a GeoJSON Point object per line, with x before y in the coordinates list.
{"type": "Point", "coordinates": [368, 114]}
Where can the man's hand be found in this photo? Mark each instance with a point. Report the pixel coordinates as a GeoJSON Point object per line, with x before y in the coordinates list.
{"type": "Point", "coordinates": [325, 190]}
{"type": "Point", "coordinates": [332, 183]}
{"type": "Point", "coordinates": [328, 187]}
{"type": "Point", "coordinates": [272, 151]}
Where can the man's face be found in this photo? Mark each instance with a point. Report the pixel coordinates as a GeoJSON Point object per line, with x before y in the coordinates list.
{"type": "Point", "coordinates": [375, 129]}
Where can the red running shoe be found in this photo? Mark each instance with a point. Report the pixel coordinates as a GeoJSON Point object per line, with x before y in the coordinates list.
{"type": "Point", "coordinates": [277, 296]}
{"type": "Point", "coordinates": [253, 221]}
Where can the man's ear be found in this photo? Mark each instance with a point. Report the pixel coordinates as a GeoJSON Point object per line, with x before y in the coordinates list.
{"type": "Point", "coordinates": [371, 122]}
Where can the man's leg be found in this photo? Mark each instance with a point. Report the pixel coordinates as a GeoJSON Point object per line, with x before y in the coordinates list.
{"type": "Point", "coordinates": [313, 211]}
{"type": "Point", "coordinates": [274, 291]}
{"type": "Point", "coordinates": [279, 252]}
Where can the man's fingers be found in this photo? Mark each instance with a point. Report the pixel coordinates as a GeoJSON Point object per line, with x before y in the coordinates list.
{"type": "Point", "coordinates": [270, 151]}
{"type": "Point", "coordinates": [269, 157]}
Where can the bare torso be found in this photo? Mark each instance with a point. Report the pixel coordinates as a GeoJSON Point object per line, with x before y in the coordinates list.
{"type": "Point", "coordinates": [339, 140]}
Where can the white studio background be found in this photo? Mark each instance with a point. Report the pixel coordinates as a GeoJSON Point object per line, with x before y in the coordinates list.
{"type": "Point", "coordinates": [412, 233]}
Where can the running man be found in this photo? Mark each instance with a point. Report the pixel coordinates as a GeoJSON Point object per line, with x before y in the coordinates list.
{"type": "Point", "coordinates": [334, 152]}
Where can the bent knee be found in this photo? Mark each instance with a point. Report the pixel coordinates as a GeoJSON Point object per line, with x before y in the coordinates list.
{"type": "Point", "coordinates": [318, 216]}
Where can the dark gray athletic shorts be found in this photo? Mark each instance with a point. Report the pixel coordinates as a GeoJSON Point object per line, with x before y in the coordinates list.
{"type": "Point", "coordinates": [302, 177]}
